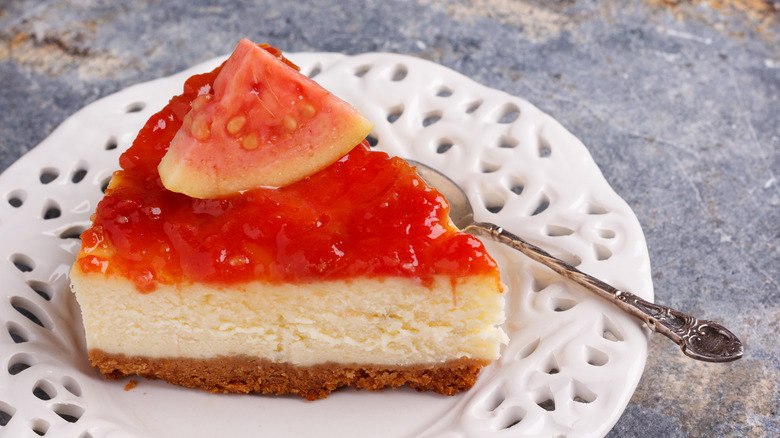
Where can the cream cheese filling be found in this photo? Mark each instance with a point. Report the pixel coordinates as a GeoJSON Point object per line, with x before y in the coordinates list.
{"type": "Point", "coordinates": [381, 321]}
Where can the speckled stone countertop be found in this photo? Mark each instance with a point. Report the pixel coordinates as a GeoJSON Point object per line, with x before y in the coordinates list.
{"type": "Point", "coordinates": [678, 102]}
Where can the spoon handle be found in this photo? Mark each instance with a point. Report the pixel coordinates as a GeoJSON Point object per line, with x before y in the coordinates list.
{"type": "Point", "coordinates": [699, 339]}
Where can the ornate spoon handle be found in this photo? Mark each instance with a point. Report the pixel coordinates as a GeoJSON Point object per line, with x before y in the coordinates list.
{"type": "Point", "coordinates": [699, 339]}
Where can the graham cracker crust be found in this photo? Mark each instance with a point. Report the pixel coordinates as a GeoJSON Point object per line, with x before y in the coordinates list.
{"type": "Point", "coordinates": [243, 374]}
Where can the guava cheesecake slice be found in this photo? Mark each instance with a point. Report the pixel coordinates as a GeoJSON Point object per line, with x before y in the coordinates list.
{"type": "Point", "coordinates": [349, 276]}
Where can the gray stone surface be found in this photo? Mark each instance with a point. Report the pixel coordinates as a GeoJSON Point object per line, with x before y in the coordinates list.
{"type": "Point", "coordinates": [679, 106]}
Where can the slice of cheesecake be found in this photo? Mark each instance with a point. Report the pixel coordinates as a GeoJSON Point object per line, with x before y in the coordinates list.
{"type": "Point", "coordinates": [350, 276]}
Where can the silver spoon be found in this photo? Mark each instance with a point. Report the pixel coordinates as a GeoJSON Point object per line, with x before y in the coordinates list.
{"type": "Point", "coordinates": [699, 339]}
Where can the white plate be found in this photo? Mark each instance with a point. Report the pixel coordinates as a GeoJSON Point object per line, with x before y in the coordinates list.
{"type": "Point", "coordinates": [573, 360]}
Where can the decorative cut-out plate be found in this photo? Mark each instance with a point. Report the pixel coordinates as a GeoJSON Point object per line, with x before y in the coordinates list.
{"type": "Point", "coordinates": [572, 362]}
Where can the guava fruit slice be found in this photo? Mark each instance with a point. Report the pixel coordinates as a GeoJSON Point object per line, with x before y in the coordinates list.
{"type": "Point", "coordinates": [264, 124]}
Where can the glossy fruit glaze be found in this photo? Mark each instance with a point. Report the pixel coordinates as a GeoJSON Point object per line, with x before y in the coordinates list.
{"type": "Point", "coordinates": [368, 214]}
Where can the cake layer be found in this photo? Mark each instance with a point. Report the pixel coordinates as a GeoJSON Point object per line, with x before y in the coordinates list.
{"type": "Point", "coordinates": [379, 321]}
{"type": "Point", "coordinates": [241, 374]}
